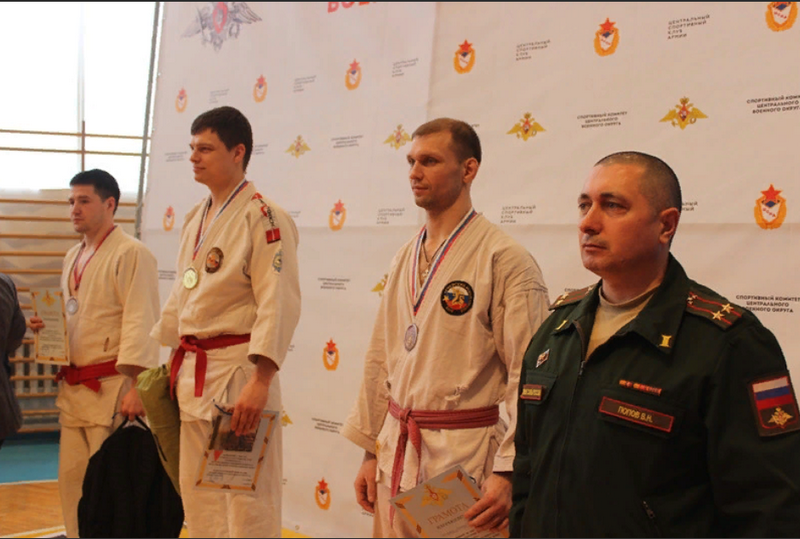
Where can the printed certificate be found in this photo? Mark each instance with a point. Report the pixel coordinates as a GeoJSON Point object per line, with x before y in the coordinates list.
{"type": "Point", "coordinates": [51, 342]}
{"type": "Point", "coordinates": [436, 507]}
{"type": "Point", "coordinates": [231, 462]}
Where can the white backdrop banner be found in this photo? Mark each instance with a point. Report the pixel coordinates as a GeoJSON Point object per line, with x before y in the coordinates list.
{"type": "Point", "coordinates": [333, 91]}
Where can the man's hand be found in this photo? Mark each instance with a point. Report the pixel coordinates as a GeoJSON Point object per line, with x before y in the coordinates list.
{"type": "Point", "coordinates": [35, 323]}
{"type": "Point", "coordinates": [131, 406]}
{"type": "Point", "coordinates": [253, 399]}
{"type": "Point", "coordinates": [366, 485]}
{"type": "Point", "coordinates": [491, 512]}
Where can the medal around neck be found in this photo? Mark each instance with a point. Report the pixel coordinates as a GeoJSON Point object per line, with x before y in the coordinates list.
{"type": "Point", "coordinates": [190, 278]}
{"type": "Point", "coordinates": [72, 305]}
{"type": "Point", "coordinates": [410, 339]}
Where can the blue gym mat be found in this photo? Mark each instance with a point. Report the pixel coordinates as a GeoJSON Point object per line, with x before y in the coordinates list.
{"type": "Point", "coordinates": [29, 457]}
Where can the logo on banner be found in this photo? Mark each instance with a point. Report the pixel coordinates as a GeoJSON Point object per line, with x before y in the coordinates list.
{"type": "Point", "coordinates": [606, 38]}
{"type": "Point", "coordinates": [781, 15]}
{"type": "Point", "coordinates": [464, 59]}
{"type": "Point", "coordinates": [353, 76]}
{"type": "Point", "coordinates": [683, 114]}
{"type": "Point", "coordinates": [398, 138]}
{"type": "Point", "coordinates": [435, 496]}
{"type": "Point", "coordinates": [169, 219]}
{"type": "Point", "coordinates": [322, 495]}
{"type": "Point", "coordinates": [260, 89]}
{"type": "Point", "coordinates": [181, 101]}
{"type": "Point", "coordinates": [337, 216]}
{"type": "Point", "coordinates": [770, 210]}
{"type": "Point", "coordinates": [526, 128]}
{"type": "Point", "coordinates": [298, 147]}
{"type": "Point", "coordinates": [330, 356]}
{"type": "Point", "coordinates": [220, 21]}
{"type": "Point", "coordinates": [381, 285]}
{"type": "Point", "coordinates": [285, 420]}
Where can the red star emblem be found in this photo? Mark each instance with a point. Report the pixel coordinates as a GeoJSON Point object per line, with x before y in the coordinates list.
{"type": "Point", "coordinates": [354, 66]}
{"type": "Point", "coordinates": [261, 81]}
{"type": "Point", "coordinates": [338, 207]}
{"type": "Point", "coordinates": [608, 26]}
{"type": "Point", "coordinates": [331, 345]}
{"type": "Point", "coordinates": [323, 486]}
{"type": "Point", "coordinates": [466, 46]}
{"type": "Point", "coordinates": [182, 93]}
{"type": "Point", "coordinates": [771, 194]}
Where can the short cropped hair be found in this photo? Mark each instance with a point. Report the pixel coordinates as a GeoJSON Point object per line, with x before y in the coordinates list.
{"type": "Point", "coordinates": [659, 184]}
{"type": "Point", "coordinates": [465, 144]}
{"type": "Point", "coordinates": [105, 185]}
{"type": "Point", "coordinates": [230, 125]}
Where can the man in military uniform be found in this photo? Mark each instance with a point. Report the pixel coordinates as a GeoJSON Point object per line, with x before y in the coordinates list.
{"type": "Point", "coordinates": [649, 404]}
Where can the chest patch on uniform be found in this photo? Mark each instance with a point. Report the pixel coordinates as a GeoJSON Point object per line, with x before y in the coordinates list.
{"type": "Point", "coordinates": [457, 298]}
{"type": "Point", "coordinates": [214, 260]}
{"type": "Point", "coordinates": [637, 414]}
{"type": "Point", "coordinates": [775, 405]}
{"type": "Point", "coordinates": [532, 392]}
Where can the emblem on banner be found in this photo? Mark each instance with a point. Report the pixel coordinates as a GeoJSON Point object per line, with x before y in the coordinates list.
{"type": "Point", "coordinates": [781, 15]}
{"type": "Point", "coordinates": [330, 356]}
{"type": "Point", "coordinates": [381, 285]}
{"type": "Point", "coordinates": [298, 147]}
{"type": "Point", "coordinates": [683, 114]}
{"type": "Point", "coordinates": [322, 495]}
{"type": "Point", "coordinates": [337, 216]}
{"type": "Point", "coordinates": [770, 210]}
{"type": "Point", "coordinates": [464, 59]}
{"type": "Point", "coordinates": [181, 101]}
{"type": "Point", "coordinates": [526, 128]}
{"type": "Point", "coordinates": [220, 21]}
{"type": "Point", "coordinates": [260, 89]}
{"type": "Point", "coordinates": [606, 38]}
{"type": "Point", "coordinates": [457, 298]}
{"type": "Point", "coordinates": [398, 138]}
{"type": "Point", "coordinates": [169, 219]}
{"type": "Point", "coordinates": [435, 496]}
{"type": "Point", "coordinates": [285, 420]}
{"type": "Point", "coordinates": [353, 76]}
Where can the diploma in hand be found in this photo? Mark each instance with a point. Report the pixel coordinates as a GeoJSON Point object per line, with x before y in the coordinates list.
{"type": "Point", "coordinates": [436, 507]}
{"type": "Point", "coordinates": [51, 342]}
{"type": "Point", "coordinates": [232, 463]}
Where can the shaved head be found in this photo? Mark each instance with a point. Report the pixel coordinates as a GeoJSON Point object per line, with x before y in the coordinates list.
{"type": "Point", "coordinates": [658, 182]}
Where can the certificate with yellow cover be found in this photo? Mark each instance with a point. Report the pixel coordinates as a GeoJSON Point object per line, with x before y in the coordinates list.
{"type": "Point", "coordinates": [233, 463]}
{"type": "Point", "coordinates": [436, 507]}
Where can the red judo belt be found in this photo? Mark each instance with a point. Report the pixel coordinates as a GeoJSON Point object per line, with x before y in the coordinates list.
{"type": "Point", "coordinates": [411, 421]}
{"type": "Point", "coordinates": [190, 343]}
{"type": "Point", "coordinates": [89, 375]}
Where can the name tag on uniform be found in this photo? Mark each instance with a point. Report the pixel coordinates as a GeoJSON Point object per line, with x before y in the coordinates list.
{"type": "Point", "coordinates": [637, 414]}
{"type": "Point", "coordinates": [532, 392]}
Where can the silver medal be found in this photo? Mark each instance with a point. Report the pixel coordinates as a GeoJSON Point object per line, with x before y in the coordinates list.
{"type": "Point", "coordinates": [410, 339]}
{"type": "Point", "coordinates": [72, 305]}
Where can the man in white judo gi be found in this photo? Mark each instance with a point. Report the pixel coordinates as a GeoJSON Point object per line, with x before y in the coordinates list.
{"type": "Point", "coordinates": [110, 285]}
{"type": "Point", "coordinates": [459, 307]}
{"type": "Point", "coordinates": [230, 319]}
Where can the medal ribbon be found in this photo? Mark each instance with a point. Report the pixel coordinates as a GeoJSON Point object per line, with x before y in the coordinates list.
{"type": "Point", "coordinates": [198, 241]}
{"type": "Point", "coordinates": [436, 261]}
{"type": "Point", "coordinates": [78, 276]}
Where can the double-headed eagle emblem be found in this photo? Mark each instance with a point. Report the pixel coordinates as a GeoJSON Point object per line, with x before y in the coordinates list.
{"type": "Point", "coordinates": [220, 21]}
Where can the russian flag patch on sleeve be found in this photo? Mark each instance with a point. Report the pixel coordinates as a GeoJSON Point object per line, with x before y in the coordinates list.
{"type": "Point", "coordinates": [775, 405]}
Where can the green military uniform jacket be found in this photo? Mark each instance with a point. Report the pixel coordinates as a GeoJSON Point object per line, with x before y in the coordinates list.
{"type": "Point", "coordinates": [684, 423]}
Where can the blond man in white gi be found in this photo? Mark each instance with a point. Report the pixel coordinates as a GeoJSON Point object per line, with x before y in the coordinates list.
{"type": "Point", "coordinates": [230, 318]}
{"type": "Point", "coordinates": [110, 285]}
{"type": "Point", "coordinates": [460, 304]}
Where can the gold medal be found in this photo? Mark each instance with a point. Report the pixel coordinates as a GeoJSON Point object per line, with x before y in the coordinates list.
{"type": "Point", "coordinates": [190, 278]}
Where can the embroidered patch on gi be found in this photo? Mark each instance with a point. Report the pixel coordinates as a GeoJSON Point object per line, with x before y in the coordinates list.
{"type": "Point", "coordinates": [277, 262]}
{"type": "Point", "coordinates": [637, 414]}
{"type": "Point", "coordinates": [775, 405]}
{"type": "Point", "coordinates": [457, 298]}
{"type": "Point", "coordinates": [641, 387]}
{"type": "Point", "coordinates": [532, 392]}
{"type": "Point", "coordinates": [544, 356]}
{"type": "Point", "coordinates": [214, 260]}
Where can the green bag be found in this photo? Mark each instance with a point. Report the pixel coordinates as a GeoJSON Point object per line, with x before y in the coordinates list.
{"type": "Point", "coordinates": [163, 416]}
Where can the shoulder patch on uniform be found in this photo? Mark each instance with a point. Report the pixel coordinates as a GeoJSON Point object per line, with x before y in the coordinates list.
{"type": "Point", "coordinates": [273, 232]}
{"type": "Point", "coordinates": [774, 404]}
{"type": "Point", "coordinates": [571, 297]}
{"type": "Point", "coordinates": [717, 309]}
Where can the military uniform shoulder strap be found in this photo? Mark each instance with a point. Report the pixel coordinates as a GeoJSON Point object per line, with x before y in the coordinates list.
{"type": "Point", "coordinates": [569, 298]}
{"type": "Point", "coordinates": [707, 304]}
